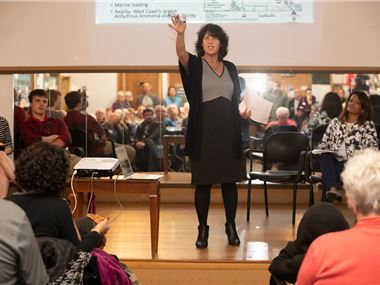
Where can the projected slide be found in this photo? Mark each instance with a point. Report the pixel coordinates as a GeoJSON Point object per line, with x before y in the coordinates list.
{"type": "Point", "coordinates": [205, 11]}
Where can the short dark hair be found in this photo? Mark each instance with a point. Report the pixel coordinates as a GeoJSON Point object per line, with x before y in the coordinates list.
{"type": "Point", "coordinates": [332, 105]}
{"type": "Point", "coordinates": [37, 93]}
{"type": "Point", "coordinates": [217, 32]}
{"type": "Point", "coordinates": [146, 110]}
{"type": "Point", "coordinates": [42, 168]}
{"type": "Point", "coordinates": [366, 113]}
{"type": "Point", "coordinates": [72, 99]}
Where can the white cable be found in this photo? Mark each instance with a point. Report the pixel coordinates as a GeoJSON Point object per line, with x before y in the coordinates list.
{"type": "Point", "coordinates": [73, 192]}
{"type": "Point", "coordinates": [117, 199]}
{"type": "Point", "coordinates": [92, 192]}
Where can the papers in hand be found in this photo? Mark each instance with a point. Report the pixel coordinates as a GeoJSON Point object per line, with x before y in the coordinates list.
{"type": "Point", "coordinates": [259, 107]}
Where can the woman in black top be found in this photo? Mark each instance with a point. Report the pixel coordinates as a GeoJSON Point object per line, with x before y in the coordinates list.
{"type": "Point", "coordinates": [41, 172]}
{"type": "Point", "coordinates": [213, 138]}
{"type": "Point", "coordinates": [320, 219]}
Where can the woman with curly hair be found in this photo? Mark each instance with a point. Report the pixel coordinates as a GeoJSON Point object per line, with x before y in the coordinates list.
{"type": "Point", "coordinates": [41, 172]}
{"type": "Point", "coordinates": [213, 137]}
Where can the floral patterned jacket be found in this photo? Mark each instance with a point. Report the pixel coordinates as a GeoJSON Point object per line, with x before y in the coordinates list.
{"type": "Point", "coordinates": [316, 119]}
{"type": "Point", "coordinates": [361, 136]}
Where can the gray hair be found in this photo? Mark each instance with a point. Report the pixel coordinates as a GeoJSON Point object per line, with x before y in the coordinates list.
{"type": "Point", "coordinates": [282, 113]}
{"type": "Point", "coordinates": [361, 179]}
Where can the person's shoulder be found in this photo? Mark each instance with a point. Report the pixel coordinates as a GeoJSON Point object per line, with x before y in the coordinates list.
{"type": "Point", "coordinates": [10, 210]}
{"type": "Point", "coordinates": [331, 240]}
{"type": "Point", "coordinates": [229, 63]}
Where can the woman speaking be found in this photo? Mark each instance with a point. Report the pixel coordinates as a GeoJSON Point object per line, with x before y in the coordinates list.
{"type": "Point", "coordinates": [213, 138]}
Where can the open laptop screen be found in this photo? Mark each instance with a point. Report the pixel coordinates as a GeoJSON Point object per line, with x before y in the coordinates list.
{"type": "Point", "coordinates": [124, 161]}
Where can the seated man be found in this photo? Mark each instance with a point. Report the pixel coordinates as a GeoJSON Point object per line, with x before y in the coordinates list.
{"type": "Point", "coordinates": [147, 143]}
{"type": "Point", "coordinates": [74, 119]}
{"type": "Point", "coordinates": [20, 258]}
{"type": "Point", "coordinates": [39, 127]}
{"type": "Point", "coordinates": [351, 256]}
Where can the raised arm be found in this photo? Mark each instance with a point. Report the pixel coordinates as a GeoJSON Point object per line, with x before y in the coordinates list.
{"type": "Point", "coordinates": [180, 26]}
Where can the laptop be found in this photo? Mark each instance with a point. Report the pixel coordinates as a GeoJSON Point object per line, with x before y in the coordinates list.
{"type": "Point", "coordinates": [126, 167]}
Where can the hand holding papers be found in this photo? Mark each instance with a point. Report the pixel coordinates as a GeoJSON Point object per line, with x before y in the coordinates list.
{"type": "Point", "coordinates": [259, 107]}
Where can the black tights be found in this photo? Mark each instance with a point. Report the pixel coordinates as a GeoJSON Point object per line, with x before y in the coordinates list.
{"type": "Point", "coordinates": [202, 201]}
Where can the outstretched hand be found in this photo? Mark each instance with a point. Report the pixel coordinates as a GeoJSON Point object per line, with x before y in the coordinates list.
{"type": "Point", "coordinates": [177, 24]}
{"type": "Point", "coordinates": [102, 227]}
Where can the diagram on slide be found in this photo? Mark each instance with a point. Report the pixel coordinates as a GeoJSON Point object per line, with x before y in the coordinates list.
{"type": "Point", "coordinates": [203, 11]}
{"type": "Point", "coordinates": [258, 11]}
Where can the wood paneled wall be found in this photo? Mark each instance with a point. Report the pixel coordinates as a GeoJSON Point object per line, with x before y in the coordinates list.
{"type": "Point", "coordinates": [296, 81]}
{"type": "Point", "coordinates": [132, 82]}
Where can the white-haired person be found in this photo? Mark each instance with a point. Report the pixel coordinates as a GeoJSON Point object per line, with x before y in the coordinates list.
{"type": "Point", "coordinates": [282, 115]}
{"type": "Point", "coordinates": [351, 256]}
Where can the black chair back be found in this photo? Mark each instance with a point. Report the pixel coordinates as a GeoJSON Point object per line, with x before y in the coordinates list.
{"type": "Point", "coordinates": [278, 129]}
{"type": "Point", "coordinates": [284, 148]}
{"type": "Point", "coordinates": [78, 141]}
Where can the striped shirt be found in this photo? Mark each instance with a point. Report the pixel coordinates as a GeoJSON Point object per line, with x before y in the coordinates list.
{"type": "Point", "coordinates": [5, 133]}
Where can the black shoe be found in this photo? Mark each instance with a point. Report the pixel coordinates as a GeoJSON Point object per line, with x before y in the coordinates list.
{"type": "Point", "coordinates": [202, 237]}
{"type": "Point", "coordinates": [232, 235]}
{"type": "Point", "coordinates": [332, 196]}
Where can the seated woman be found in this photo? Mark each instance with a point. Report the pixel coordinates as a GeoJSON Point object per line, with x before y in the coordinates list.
{"type": "Point", "coordinates": [352, 256]}
{"type": "Point", "coordinates": [320, 219]}
{"type": "Point", "coordinates": [352, 131]}
{"type": "Point", "coordinates": [282, 115]}
{"type": "Point", "coordinates": [41, 172]}
{"type": "Point", "coordinates": [331, 108]}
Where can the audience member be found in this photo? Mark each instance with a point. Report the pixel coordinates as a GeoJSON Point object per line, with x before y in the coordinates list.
{"type": "Point", "coordinates": [41, 172]}
{"type": "Point", "coordinates": [160, 113]}
{"type": "Point", "coordinates": [352, 131]}
{"type": "Point", "coordinates": [282, 115]}
{"type": "Point", "coordinates": [5, 136]}
{"type": "Point", "coordinates": [121, 102]}
{"type": "Point", "coordinates": [147, 143]}
{"type": "Point", "coordinates": [96, 141]}
{"type": "Point", "coordinates": [275, 95]}
{"type": "Point", "coordinates": [350, 256]}
{"type": "Point", "coordinates": [185, 114]}
{"type": "Point", "coordinates": [100, 116]}
{"type": "Point", "coordinates": [139, 114]}
{"type": "Point", "coordinates": [55, 102]}
{"type": "Point", "coordinates": [320, 219]}
{"type": "Point", "coordinates": [172, 119]}
{"type": "Point", "coordinates": [172, 97]}
{"type": "Point", "coordinates": [116, 130]}
{"type": "Point", "coordinates": [293, 104]}
{"type": "Point", "coordinates": [330, 109]}
{"type": "Point", "coordinates": [147, 99]}
{"type": "Point", "coordinates": [20, 257]}
{"type": "Point", "coordinates": [39, 127]}
{"type": "Point", "coordinates": [305, 106]}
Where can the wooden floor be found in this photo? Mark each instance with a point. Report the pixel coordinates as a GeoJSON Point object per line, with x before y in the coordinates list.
{"type": "Point", "coordinates": [261, 238]}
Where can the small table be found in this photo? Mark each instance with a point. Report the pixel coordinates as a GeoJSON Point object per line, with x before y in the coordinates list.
{"type": "Point", "coordinates": [149, 184]}
{"type": "Point", "coordinates": [167, 140]}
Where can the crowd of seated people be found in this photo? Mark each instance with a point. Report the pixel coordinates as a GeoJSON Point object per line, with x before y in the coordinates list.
{"type": "Point", "coordinates": [107, 129]}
